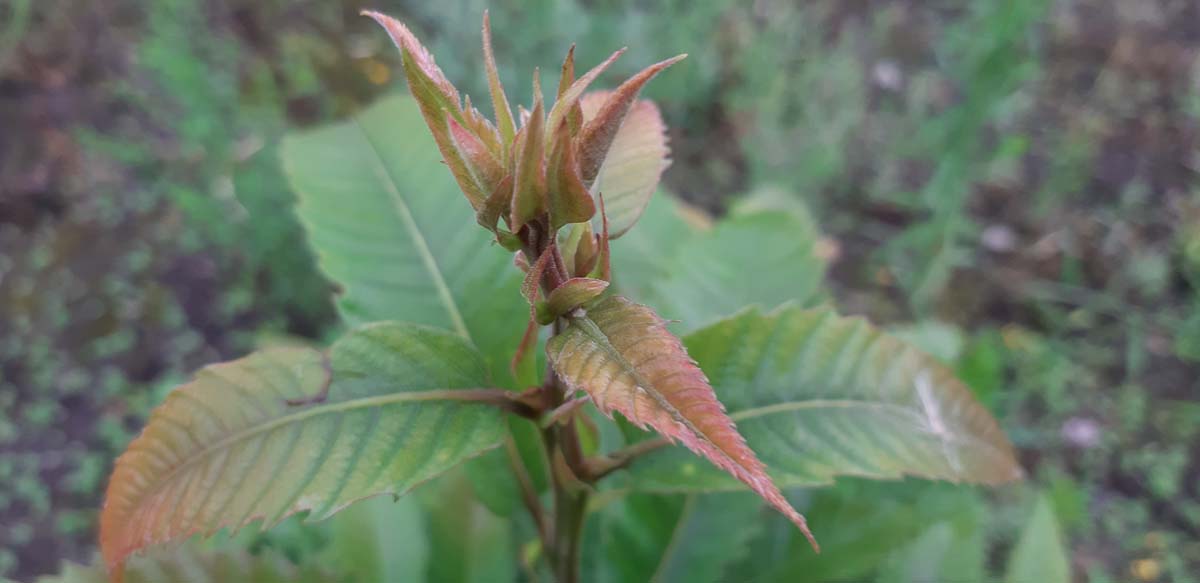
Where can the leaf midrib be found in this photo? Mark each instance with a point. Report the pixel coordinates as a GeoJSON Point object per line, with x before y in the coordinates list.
{"type": "Point", "coordinates": [788, 406]}
{"type": "Point", "coordinates": [299, 416]}
{"type": "Point", "coordinates": [414, 232]}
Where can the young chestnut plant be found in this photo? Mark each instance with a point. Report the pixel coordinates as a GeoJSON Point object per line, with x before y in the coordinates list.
{"type": "Point", "coordinates": [443, 364]}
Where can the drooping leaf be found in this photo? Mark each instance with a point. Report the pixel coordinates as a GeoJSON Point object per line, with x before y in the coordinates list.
{"type": "Point", "coordinates": [384, 219]}
{"type": "Point", "coordinates": [819, 396]}
{"type": "Point", "coordinates": [633, 163]}
{"type": "Point", "coordinates": [186, 564]}
{"type": "Point", "coordinates": [228, 448]}
{"type": "Point", "coordinates": [1039, 554]}
{"type": "Point", "coordinates": [621, 354]}
{"type": "Point", "coordinates": [602, 126]}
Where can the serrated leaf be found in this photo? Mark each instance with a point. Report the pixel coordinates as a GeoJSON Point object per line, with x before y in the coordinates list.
{"type": "Point", "coordinates": [818, 395]}
{"type": "Point", "coordinates": [1039, 554]}
{"type": "Point", "coordinates": [621, 354]}
{"type": "Point", "coordinates": [185, 564]}
{"type": "Point", "coordinates": [634, 162]}
{"type": "Point", "coordinates": [384, 219]}
{"type": "Point", "coordinates": [228, 449]}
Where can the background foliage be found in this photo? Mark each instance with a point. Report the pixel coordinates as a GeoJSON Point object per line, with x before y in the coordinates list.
{"type": "Point", "coordinates": [1014, 186]}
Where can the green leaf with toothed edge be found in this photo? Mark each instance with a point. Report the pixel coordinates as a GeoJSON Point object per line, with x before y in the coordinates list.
{"type": "Point", "coordinates": [228, 449]}
{"type": "Point", "coordinates": [194, 566]}
{"type": "Point", "coordinates": [818, 396]}
{"type": "Point", "coordinates": [389, 225]}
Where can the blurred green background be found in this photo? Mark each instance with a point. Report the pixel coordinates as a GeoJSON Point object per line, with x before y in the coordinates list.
{"type": "Point", "coordinates": [1014, 185]}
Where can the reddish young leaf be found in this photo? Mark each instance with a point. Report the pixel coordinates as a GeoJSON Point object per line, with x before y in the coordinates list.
{"type": "Point", "coordinates": [438, 100]}
{"type": "Point", "coordinates": [529, 174]}
{"type": "Point", "coordinates": [601, 129]}
{"type": "Point", "coordinates": [480, 160]}
{"type": "Point", "coordinates": [575, 116]}
{"type": "Point", "coordinates": [496, 205]}
{"type": "Point", "coordinates": [429, 77]}
{"type": "Point", "coordinates": [570, 295]}
{"type": "Point", "coordinates": [504, 117]}
{"type": "Point", "coordinates": [568, 198]}
{"type": "Point", "coordinates": [622, 355]}
{"type": "Point", "coordinates": [634, 163]}
{"type": "Point", "coordinates": [567, 100]}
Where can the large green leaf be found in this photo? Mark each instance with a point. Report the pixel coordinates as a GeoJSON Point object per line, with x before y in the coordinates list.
{"type": "Point", "coordinates": [862, 524]}
{"type": "Point", "coordinates": [380, 539]}
{"type": "Point", "coordinates": [664, 538]}
{"type": "Point", "coordinates": [817, 396]}
{"type": "Point", "coordinates": [1039, 554]}
{"type": "Point", "coordinates": [190, 566]}
{"type": "Point", "coordinates": [764, 253]}
{"type": "Point", "coordinates": [644, 255]}
{"type": "Point", "coordinates": [467, 543]}
{"type": "Point", "coordinates": [227, 448]}
{"type": "Point", "coordinates": [388, 224]}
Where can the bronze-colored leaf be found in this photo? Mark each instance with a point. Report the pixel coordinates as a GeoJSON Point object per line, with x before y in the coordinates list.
{"type": "Point", "coordinates": [622, 355]}
{"type": "Point", "coordinates": [601, 128]}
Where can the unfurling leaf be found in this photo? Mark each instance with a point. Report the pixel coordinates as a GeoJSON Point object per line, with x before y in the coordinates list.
{"type": "Point", "coordinates": [568, 198]}
{"type": "Point", "coordinates": [818, 396]}
{"type": "Point", "coordinates": [504, 117]}
{"type": "Point", "coordinates": [567, 100]}
{"type": "Point", "coordinates": [634, 163]}
{"type": "Point", "coordinates": [575, 116]}
{"type": "Point", "coordinates": [438, 100]}
{"type": "Point", "coordinates": [602, 126]}
{"type": "Point", "coordinates": [228, 448]}
{"type": "Point", "coordinates": [623, 356]}
{"type": "Point", "coordinates": [529, 173]}
{"type": "Point", "coordinates": [573, 293]}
